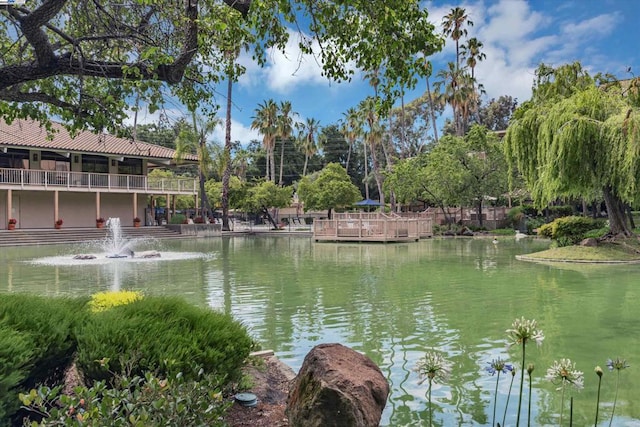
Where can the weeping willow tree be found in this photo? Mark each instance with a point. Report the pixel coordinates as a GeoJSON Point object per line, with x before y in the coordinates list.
{"type": "Point", "coordinates": [580, 139]}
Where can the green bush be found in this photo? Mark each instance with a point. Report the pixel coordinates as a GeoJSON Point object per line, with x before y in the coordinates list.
{"type": "Point", "coordinates": [16, 356]}
{"type": "Point", "coordinates": [178, 219]}
{"type": "Point", "coordinates": [133, 401]}
{"type": "Point", "coordinates": [161, 334]}
{"type": "Point", "coordinates": [516, 215]}
{"type": "Point", "coordinates": [534, 223]}
{"type": "Point", "coordinates": [36, 342]}
{"type": "Point", "coordinates": [569, 230]}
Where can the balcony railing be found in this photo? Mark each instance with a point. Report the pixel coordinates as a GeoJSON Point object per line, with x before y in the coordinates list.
{"type": "Point", "coordinates": [73, 181]}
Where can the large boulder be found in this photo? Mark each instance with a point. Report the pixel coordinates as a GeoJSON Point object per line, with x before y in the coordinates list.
{"type": "Point", "coordinates": [337, 386]}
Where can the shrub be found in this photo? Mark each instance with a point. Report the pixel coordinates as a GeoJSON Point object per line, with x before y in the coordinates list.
{"type": "Point", "coordinates": [178, 219]}
{"type": "Point", "coordinates": [163, 335]}
{"type": "Point", "coordinates": [569, 230]}
{"type": "Point", "coordinates": [515, 216]}
{"type": "Point", "coordinates": [147, 401]}
{"type": "Point", "coordinates": [37, 342]}
{"type": "Point", "coordinates": [16, 355]}
{"type": "Point", "coordinates": [534, 223]}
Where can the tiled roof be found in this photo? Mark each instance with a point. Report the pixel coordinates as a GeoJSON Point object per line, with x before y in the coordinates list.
{"type": "Point", "coordinates": [31, 134]}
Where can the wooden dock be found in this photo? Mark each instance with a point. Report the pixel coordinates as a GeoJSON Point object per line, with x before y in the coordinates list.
{"type": "Point", "coordinates": [371, 227]}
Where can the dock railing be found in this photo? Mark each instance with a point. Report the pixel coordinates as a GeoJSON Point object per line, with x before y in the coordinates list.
{"type": "Point", "coordinates": [370, 226]}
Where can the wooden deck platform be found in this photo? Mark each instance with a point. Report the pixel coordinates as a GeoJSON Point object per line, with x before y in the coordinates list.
{"type": "Point", "coordinates": [371, 227]}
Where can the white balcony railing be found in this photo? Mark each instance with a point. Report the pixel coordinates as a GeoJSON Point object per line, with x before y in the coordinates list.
{"type": "Point", "coordinates": [73, 181]}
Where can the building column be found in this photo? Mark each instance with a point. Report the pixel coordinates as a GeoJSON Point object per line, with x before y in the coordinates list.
{"type": "Point", "coordinates": [9, 204]}
{"type": "Point", "coordinates": [135, 205]}
{"type": "Point", "coordinates": [168, 213]}
{"type": "Point", "coordinates": [98, 209]}
{"type": "Point", "coordinates": [56, 215]}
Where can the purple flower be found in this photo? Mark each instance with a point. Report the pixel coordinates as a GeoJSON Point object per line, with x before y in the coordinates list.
{"type": "Point", "coordinates": [617, 363]}
{"type": "Point", "coordinates": [498, 365]}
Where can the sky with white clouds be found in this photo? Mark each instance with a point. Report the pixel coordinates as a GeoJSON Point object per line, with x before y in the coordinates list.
{"type": "Point", "coordinates": [517, 35]}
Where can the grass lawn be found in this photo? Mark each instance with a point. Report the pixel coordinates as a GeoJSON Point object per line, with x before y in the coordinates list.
{"type": "Point", "coordinates": [619, 251]}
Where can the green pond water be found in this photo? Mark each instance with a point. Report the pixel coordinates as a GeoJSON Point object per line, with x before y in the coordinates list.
{"type": "Point", "coordinates": [393, 302]}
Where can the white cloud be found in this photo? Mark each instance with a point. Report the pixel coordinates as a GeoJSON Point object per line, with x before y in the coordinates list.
{"type": "Point", "coordinates": [285, 71]}
{"type": "Point", "coordinates": [594, 27]}
{"type": "Point", "coordinates": [239, 132]}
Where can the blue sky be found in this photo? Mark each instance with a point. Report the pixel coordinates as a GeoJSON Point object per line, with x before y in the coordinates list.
{"type": "Point", "coordinates": [517, 36]}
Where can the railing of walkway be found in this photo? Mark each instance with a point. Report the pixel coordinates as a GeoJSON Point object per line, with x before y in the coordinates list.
{"type": "Point", "coordinates": [60, 180]}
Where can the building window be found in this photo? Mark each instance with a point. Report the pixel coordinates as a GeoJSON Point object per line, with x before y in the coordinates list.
{"type": "Point", "coordinates": [130, 166]}
{"type": "Point", "coordinates": [96, 164]}
{"type": "Point", "coordinates": [35, 157]}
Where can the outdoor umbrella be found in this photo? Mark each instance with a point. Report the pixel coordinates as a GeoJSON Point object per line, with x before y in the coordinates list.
{"type": "Point", "coordinates": [368, 202]}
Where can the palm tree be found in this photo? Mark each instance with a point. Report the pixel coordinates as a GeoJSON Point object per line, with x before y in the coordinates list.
{"type": "Point", "coordinates": [373, 137]}
{"type": "Point", "coordinates": [449, 85]}
{"type": "Point", "coordinates": [307, 140]}
{"type": "Point", "coordinates": [240, 163]}
{"type": "Point", "coordinates": [231, 56]}
{"type": "Point", "coordinates": [453, 26]}
{"type": "Point", "coordinates": [351, 128]}
{"type": "Point", "coordinates": [265, 122]}
{"type": "Point", "coordinates": [472, 51]}
{"type": "Point", "coordinates": [430, 98]}
{"type": "Point", "coordinates": [284, 128]}
{"type": "Point", "coordinates": [192, 139]}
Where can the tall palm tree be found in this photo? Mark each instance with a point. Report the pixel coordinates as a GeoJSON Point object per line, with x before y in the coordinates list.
{"type": "Point", "coordinates": [373, 137]}
{"type": "Point", "coordinates": [453, 26]}
{"type": "Point", "coordinates": [265, 122]}
{"type": "Point", "coordinates": [284, 124]}
{"type": "Point", "coordinates": [472, 50]}
{"type": "Point", "coordinates": [307, 140]}
{"type": "Point", "coordinates": [430, 98]}
{"type": "Point", "coordinates": [230, 56]}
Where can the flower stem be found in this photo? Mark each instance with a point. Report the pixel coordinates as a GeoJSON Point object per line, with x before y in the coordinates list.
{"type": "Point", "coordinates": [615, 399]}
{"type": "Point", "coordinates": [562, 403]}
{"type": "Point", "coordinates": [529, 409]}
{"type": "Point", "coordinates": [521, 383]}
{"type": "Point", "coordinates": [495, 401]}
{"type": "Point", "coordinates": [598, 400]}
{"type": "Point", "coordinates": [430, 409]}
{"type": "Point", "coordinates": [504, 417]}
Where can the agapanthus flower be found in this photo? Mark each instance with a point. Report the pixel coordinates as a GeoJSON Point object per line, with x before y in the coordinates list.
{"type": "Point", "coordinates": [498, 365]}
{"type": "Point", "coordinates": [617, 363]}
{"type": "Point", "coordinates": [434, 367]}
{"type": "Point", "coordinates": [565, 371]}
{"type": "Point", "coordinates": [523, 330]}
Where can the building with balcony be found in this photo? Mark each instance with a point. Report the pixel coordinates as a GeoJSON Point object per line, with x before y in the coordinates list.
{"type": "Point", "coordinates": [45, 177]}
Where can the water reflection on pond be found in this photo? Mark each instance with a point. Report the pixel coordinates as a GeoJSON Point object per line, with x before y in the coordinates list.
{"type": "Point", "coordinates": [392, 302]}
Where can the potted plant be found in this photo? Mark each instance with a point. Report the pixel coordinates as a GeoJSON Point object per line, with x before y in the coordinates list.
{"type": "Point", "coordinates": [100, 222]}
{"type": "Point", "coordinates": [12, 223]}
{"type": "Point", "coordinates": [58, 223]}
{"type": "Point", "coordinates": [136, 222]}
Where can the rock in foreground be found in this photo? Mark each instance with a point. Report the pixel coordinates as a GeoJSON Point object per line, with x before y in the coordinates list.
{"type": "Point", "coordinates": [337, 386]}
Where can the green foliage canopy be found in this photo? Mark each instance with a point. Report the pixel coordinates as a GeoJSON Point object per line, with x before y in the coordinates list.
{"type": "Point", "coordinates": [330, 188]}
{"type": "Point", "coordinates": [82, 61]}
{"type": "Point", "coordinates": [578, 139]}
